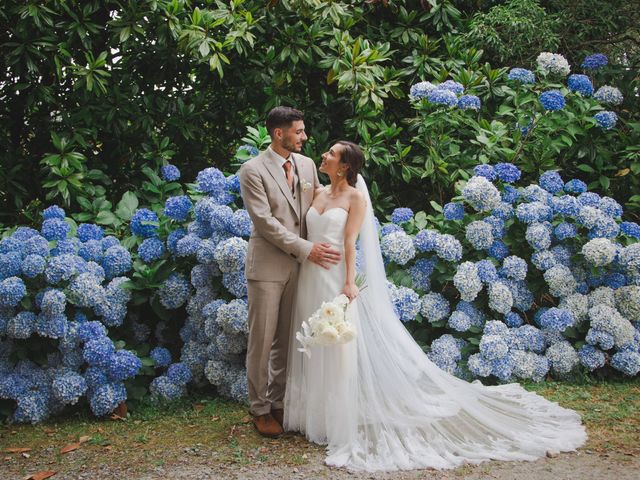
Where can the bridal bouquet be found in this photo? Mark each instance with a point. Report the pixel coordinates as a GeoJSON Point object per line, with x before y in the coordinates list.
{"type": "Point", "coordinates": [329, 325]}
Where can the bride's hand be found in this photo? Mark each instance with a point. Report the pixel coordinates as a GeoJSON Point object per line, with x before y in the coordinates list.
{"type": "Point", "coordinates": [351, 290]}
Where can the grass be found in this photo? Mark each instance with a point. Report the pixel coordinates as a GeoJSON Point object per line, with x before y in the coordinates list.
{"type": "Point", "coordinates": [220, 432]}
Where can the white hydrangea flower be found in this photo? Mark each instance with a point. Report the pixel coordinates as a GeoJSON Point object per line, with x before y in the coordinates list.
{"type": "Point", "coordinates": [553, 63]}
{"type": "Point", "coordinates": [599, 251]}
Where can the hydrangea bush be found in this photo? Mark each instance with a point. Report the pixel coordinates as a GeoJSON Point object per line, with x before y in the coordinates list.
{"type": "Point", "coordinates": [517, 283]}
{"type": "Point", "coordinates": [62, 291]}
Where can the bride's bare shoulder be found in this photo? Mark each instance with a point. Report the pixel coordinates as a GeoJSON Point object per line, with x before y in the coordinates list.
{"type": "Point", "coordinates": [355, 195]}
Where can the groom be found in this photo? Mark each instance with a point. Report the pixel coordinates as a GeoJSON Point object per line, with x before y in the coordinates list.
{"type": "Point", "coordinates": [277, 189]}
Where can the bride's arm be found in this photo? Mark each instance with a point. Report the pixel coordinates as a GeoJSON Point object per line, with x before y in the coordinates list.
{"type": "Point", "coordinates": [354, 222]}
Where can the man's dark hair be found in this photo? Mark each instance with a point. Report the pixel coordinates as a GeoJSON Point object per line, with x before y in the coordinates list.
{"type": "Point", "coordinates": [282, 117]}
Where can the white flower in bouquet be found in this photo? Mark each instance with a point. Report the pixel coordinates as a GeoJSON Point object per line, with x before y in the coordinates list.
{"type": "Point", "coordinates": [329, 325]}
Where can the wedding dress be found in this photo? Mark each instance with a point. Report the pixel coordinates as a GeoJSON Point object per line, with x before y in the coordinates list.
{"type": "Point", "coordinates": [379, 403]}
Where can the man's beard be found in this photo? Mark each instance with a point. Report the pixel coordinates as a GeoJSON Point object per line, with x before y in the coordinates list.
{"type": "Point", "coordinates": [290, 146]}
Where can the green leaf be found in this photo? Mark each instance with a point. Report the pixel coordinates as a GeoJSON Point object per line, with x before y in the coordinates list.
{"type": "Point", "coordinates": [105, 217]}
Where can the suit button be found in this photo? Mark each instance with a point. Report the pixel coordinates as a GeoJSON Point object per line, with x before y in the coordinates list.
{"type": "Point", "coordinates": [294, 197]}
{"type": "Point", "coordinates": [297, 223]}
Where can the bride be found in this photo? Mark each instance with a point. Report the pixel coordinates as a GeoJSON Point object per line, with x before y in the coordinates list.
{"type": "Point", "coordinates": [378, 402]}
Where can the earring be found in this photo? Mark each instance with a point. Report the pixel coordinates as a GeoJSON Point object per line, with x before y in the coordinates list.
{"type": "Point", "coordinates": [340, 174]}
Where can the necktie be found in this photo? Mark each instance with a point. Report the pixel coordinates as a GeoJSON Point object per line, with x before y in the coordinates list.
{"type": "Point", "coordinates": [287, 170]}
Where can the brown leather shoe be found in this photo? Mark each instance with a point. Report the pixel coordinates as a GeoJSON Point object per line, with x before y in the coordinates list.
{"type": "Point", "coordinates": [267, 426]}
{"type": "Point", "coordinates": [278, 415]}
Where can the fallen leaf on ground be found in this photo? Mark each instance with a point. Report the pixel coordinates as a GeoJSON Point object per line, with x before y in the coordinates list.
{"type": "Point", "coordinates": [198, 406]}
{"type": "Point", "coordinates": [48, 430]}
{"type": "Point", "coordinates": [26, 455]}
{"type": "Point", "coordinates": [70, 448]}
{"type": "Point", "coordinates": [17, 450]}
{"type": "Point", "coordinates": [215, 418]}
{"type": "Point", "coordinates": [246, 419]}
{"type": "Point", "coordinates": [121, 410]}
{"type": "Point", "coordinates": [41, 475]}
{"type": "Point", "coordinates": [116, 417]}
{"type": "Point", "coordinates": [84, 438]}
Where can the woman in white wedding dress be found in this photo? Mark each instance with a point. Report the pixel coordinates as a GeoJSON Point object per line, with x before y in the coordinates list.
{"type": "Point", "coordinates": [378, 402]}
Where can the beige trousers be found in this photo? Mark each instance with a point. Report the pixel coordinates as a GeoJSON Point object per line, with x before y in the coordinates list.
{"type": "Point", "coordinates": [270, 312]}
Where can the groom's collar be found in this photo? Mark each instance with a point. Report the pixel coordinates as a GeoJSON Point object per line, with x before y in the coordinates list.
{"type": "Point", "coordinates": [278, 158]}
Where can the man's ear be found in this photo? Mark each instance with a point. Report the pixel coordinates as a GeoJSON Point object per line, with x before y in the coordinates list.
{"type": "Point", "coordinates": [277, 133]}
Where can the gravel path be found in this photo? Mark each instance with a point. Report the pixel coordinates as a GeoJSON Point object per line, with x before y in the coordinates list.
{"type": "Point", "coordinates": [583, 465]}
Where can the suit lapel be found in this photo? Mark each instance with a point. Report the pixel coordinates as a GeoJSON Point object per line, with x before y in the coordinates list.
{"type": "Point", "coordinates": [278, 175]}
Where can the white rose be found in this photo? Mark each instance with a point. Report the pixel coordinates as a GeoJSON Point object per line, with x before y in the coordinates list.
{"type": "Point", "coordinates": [347, 334]}
{"type": "Point", "coordinates": [342, 300]}
{"type": "Point", "coordinates": [329, 335]}
{"type": "Point", "coordinates": [331, 312]}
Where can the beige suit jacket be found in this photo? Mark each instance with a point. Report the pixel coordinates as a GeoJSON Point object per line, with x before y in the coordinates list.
{"type": "Point", "coordinates": [277, 240]}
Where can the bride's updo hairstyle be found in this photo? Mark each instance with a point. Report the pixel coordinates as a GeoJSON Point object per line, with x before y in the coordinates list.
{"type": "Point", "coordinates": [353, 157]}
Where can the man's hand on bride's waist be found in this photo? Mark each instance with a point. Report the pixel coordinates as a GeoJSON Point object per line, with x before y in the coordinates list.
{"type": "Point", "coordinates": [324, 255]}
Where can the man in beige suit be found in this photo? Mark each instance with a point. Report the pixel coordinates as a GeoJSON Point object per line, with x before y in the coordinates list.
{"type": "Point", "coordinates": [277, 189]}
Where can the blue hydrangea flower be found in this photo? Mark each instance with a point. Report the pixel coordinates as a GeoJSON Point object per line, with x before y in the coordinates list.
{"type": "Point", "coordinates": [453, 211]}
{"type": "Point", "coordinates": [240, 224]}
{"type": "Point", "coordinates": [420, 90]}
{"type": "Point", "coordinates": [606, 120]}
{"type": "Point", "coordinates": [401, 215]}
{"type": "Point", "coordinates": [68, 387]}
{"type": "Point", "coordinates": [426, 240]}
{"type": "Point", "coordinates": [170, 173]}
{"type": "Point", "coordinates": [144, 223]}
{"type": "Point", "coordinates": [174, 292]}
{"type": "Point", "coordinates": [178, 207]}
{"type": "Point", "coordinates": [161, 356]}
{"type": "Point", "coordinates": [179, 374]}
{"type": "Point", "coordinates": [610, 207]}
{"type": "Point", "coordinates": [498, 250]}
{"type": "Point", "coordinates": [479, 366]}
{"type": "Point", "coordinates": [509, 194]}
{"type": "Point", "coordinates": [236, 283]}
{"type": "Point", "coordinates": [580, 84]}
{"type": "Point", "coordinates": [513, 320]}
{"type": "Point", "coordinates": [469, 102]}
{"type": "Point", "coordinates": [406, 302]}
{"type": "Point", "coordinates": [562, 357]}
{"type": "Point", "coordinates": [123, 365]}
{"type": "Point", "coordinates": [552, 100]}
{"type": "Point", "coordinates": [630, 229]}
{"type": "Point", "coordinates": [543, 260]}
{"type": "Point", "coordinates": [626, 362]}
{"type": "Point", "coordinates": [486, 171]}
{"type": "Point", "coordinates": [398, 247]}
{"type": "Point", "coordinates": [91, 251]}
{"type": "Point", "coordinates": [32, 266]}
{"type": "Point", "coordinates": [591, 357]}
{"type": "Point", "coordinates": [514, 267]}
{"type": "Point", "coordinates": [538, 236]}
{"type": "Point", "coordinates": [151, 249]}
{"type": "Point", "coordinates": [565, 230]}
{"type": "Point", "coordinates": [452, 86]}
{"type": "Point", "coordinates": [595, 61]}
{"type": "Point", "coordinates": [556, 319]}
{"type": "Point", "coordinates": [12, 290]}
{"type": "Point", "coordinates": [479, 234]}
{"type": "Point", "coordinates": [434, 307]}
{"type": "Point", "coordinates": [448, 248]}
{"type": "Point", "coordinates": [500, 298]}
{"type": "Point", "coordinates": [421, 271]}
{"type": "Point", "coordinates": [481, 194]}
{"type": "Point", "coordinates": [575, 186]}
{"type": "Point", "coordinates": [89, 231]}
{"type": "Point", "coordinates": [230, 254]}
{"type": "Point", "coordinates": [53, 302]}
{"type": "Point", "coordinates": [53, 211]}
{"type": "Point", "coordinates": [607, 228]}
{"type": "Point", "coordinates": [508, 173]}
{"type": "Point", "coordinates": [98, 352]}
{"type": "Point", "coordinates": [551, 182]}
{"type": "Point", "coordinates": [599, 338]}
{"type": "Point", "coordinates": [116, 261]}
{"type": "Point", "coordinates": [233, 181]}
{"type": "Point", "coordinates": [459, 321]}
{"type": "Point", "coordinates": [609, 95]}
{"type": "Point", "coordinates": [388, 228]}
{"type": "Point", "coordinates": [211, 181]}
{"type": "Point", "coordinates": [32, 407]}
{"type": "Point", "coordinates": [487, 271]}
{"type": "Point", "coordinates": [55, 229]}
{"type": "Point", "coordinates": [589, 199]}
{"type": "Point", "coordinates": [105, 398]}
{"type": "Point", "coordinates": [504, 211]}
{"type": "Point", "coordinates": [522, 75]}
{"type": "Point", "coordinates": [493, 347]}
{"type": "Point", "coordinates": [250, 149]}
{"type": "Point", "coordinates": [188, 245]}
{"type": "Point", "coordinates": [467, 281]}
{"type": "Point", "coordinates": [534, 212]}
{"type": "Point", "coordinates": [173, 238]}
{"type": "Point", "coordinates": [440, 96]}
